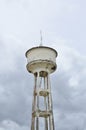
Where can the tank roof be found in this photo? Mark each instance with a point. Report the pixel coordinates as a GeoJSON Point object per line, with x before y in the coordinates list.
{"type": "Point", "coordinates": [37, 47]}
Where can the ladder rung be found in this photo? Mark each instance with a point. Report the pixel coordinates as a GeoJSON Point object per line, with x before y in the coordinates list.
{"type": "Point", "coordinates": [40, 113]}
{"type": "Point", "coordinates": [42, 92]}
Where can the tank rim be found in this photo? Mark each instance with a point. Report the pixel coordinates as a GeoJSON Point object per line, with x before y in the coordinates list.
{"type": "Point", "coordinates": [41, 47]}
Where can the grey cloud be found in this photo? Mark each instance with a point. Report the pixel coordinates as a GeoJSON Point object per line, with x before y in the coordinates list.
{"type": "Point", "coordinates": [15, 89]}
{"type": "Point", "coordinates": [17, 27]}
{"type": "Point", "coordinates": [69, 105]}
{"type": "Point", "coordinates": [69, 98]}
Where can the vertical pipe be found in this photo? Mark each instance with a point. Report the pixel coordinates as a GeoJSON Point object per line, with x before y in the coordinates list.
{"type": "Point", "coordinates": [48, 106]}
{"type": "Point", "coordinates": [51, 119]}
{"type": "Point", "coordinates": [34, 103]}
{"type": "Point", "coordinates": [45, 102]}
{"type": "Point", "coordinates": [32, 124]}
{"type": "Point", "coordinates": [38, 85]}
{"type": "Point", "coordinates": [37, 123]}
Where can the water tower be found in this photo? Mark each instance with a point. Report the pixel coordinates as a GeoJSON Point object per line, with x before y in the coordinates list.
{"type": "Point", "coordinates": [41, 62]}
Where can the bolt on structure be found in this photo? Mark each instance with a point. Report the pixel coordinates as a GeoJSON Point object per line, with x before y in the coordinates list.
{"type": "Point", "coordinates": [41, 62]}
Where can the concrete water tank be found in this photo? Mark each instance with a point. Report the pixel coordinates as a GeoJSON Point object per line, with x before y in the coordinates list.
{"type": "Point", "coordinates": [41, 58]}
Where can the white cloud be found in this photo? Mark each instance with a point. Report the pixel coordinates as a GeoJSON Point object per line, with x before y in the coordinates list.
{"type": "Point", "coordinates": [7, 124]}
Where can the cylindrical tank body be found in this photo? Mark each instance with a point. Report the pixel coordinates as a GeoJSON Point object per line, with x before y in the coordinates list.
{"type": "Point", "coordinates": [41, 58]}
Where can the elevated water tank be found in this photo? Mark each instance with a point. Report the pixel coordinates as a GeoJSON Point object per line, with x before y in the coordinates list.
{"type": "Point", "coordinates": [41, 58]}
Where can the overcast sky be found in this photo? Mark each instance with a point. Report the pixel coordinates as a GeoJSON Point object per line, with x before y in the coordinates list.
{"type": "Point", "coordinates": [63, 25]}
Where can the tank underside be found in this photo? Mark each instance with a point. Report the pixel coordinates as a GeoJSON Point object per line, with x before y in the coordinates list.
{"type": "Point", "coordinates": [41, 65]}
